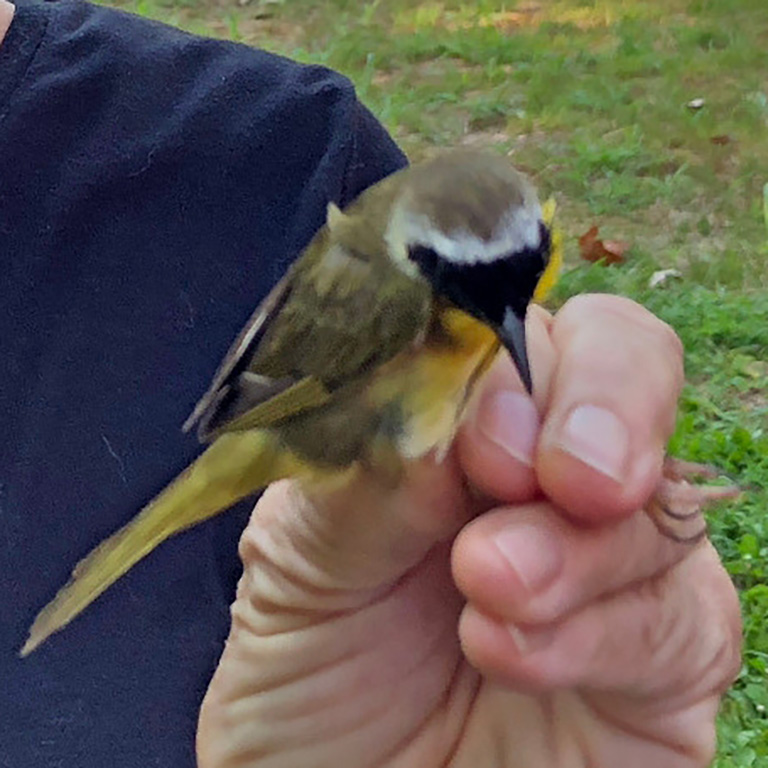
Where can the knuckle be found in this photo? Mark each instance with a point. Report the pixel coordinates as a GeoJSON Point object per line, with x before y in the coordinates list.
{"type": "Point", "coordinates": [693, 615]}
{"type": "Point", "coordinates": [594, 307]}
{"type": "Point", "coordinates": [721, 597]}
{"type": "Point", "coordinates": [574, 310]}
{"type": "Point", "coordinates": [720, 654]}
{"type": "Point", "coordinates": [727, 661]}
{"type": "Point", "coordinates": [619, 317]}
{"type": "Point", "coordinates": [673, 348]}
{"type": "Point", "coordinates": [660, 629]}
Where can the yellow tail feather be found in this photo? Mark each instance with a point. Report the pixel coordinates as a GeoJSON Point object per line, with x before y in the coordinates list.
{"type": "Point", "coordinates": [236, 465]}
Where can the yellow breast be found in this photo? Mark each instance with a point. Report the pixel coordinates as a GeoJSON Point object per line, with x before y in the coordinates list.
{"type": "Point", "coordinates": [433, 382]}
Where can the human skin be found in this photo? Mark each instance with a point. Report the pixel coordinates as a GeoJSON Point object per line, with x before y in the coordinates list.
{"type": "Point", "coordinates": [6, 16]}
{"type": "Point", "coordinates": [508, 607]}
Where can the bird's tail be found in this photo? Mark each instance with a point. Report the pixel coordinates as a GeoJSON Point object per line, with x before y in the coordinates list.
{"type": "Point", "coordinates": [236, 465]}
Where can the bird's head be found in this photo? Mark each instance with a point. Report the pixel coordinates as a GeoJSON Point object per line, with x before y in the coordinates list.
{"type": "Point", "coordinates": [472, 226]}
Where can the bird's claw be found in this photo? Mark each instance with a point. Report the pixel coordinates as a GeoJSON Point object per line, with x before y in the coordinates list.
{"type": "Point", "coordinates": [677, 505]}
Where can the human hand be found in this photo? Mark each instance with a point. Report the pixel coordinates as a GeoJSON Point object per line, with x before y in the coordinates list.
{"type": "Point", "coordinates": [584, 636]}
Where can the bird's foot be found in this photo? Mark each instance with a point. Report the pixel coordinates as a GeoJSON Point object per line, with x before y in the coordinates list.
{"type": "Point", "coordinates": [677, 506]}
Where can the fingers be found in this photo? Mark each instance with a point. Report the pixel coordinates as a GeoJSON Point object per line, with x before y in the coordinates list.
{"type": "Point", "coordinates": [496, 446]}
{"type": "Point", "coordinates": [611, 410]}
{"type": "Point", "coordinates": [607, 375]}
{"type": "Point", "coordinates": [615, 609]}
{"type": "Point", "coordinates": [529, 565]}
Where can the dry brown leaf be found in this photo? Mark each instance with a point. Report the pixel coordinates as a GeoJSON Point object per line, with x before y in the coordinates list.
{"type": "Point", "coordinates": [593, 249]}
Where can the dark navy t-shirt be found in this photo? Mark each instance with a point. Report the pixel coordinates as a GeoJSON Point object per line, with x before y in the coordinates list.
{"type": "Point", "coordinates": [153, 187]}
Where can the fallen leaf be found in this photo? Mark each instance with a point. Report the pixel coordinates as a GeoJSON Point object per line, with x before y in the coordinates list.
{"type": "Point", "coordinates": [593, 249]}
{"type": "Point", "coordinates": [615, 250]}
{"type": "Point", "coordinates": [721, 140]}
{"type": "Point", "coordinates": [661, 276]}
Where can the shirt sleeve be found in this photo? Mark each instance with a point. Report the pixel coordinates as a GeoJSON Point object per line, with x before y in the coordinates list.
{"type": "Point", "coordinates": [373, 155]}
{"type": "Point", "coordinates": [153, 187]}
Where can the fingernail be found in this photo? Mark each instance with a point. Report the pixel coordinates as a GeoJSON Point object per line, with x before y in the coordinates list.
{"type": "Point", "coordinates": [533, 553]}
{"type": "Point", "coordinates": [598, 438]}
{"type": "Point", "coordinates": [510, 421]}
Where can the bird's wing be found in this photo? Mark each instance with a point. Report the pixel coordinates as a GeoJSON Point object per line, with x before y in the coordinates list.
{"type": "Point", "coordinates": [333, 317]}
{"type": "Point", "coordinates": [246, 340]}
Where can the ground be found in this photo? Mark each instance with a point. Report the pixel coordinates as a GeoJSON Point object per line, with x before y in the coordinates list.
{"type": "Point", "coordinates": [647, 119]}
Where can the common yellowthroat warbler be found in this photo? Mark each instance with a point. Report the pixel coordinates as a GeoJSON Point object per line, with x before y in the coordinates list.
{"type": "Point", "coordinates": [363, 355]}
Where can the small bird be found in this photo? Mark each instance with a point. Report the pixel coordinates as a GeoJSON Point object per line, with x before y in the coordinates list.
{"type": "Point", "coordinates": [363, 356]}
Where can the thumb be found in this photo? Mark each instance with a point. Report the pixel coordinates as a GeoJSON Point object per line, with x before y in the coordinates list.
{"type": "Point", "coordinates": [320, 633]}
{"type": "Point", "coordinates": [328, 550]}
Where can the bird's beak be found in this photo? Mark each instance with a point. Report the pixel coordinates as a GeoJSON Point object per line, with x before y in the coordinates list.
{"type": "Point", "coordinates": [511, 333]}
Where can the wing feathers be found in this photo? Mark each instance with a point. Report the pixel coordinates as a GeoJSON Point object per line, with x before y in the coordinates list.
{"type": "Point", "coordinates": [246, 341]}
{"type": "Point", "coordinates": [306, 394]}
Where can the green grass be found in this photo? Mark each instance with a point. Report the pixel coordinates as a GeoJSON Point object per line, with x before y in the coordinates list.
{"type": "Point", "coordinates": [591, 98]}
